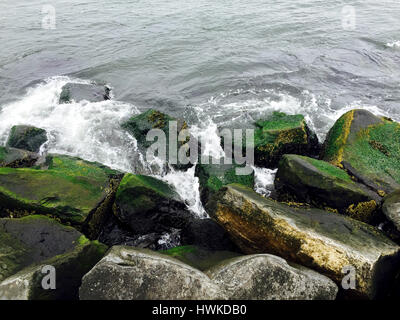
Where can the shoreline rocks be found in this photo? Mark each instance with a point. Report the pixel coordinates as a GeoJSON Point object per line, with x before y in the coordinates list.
{"type": "Point", "coordinates": [151, 215]}
{"type": "Point", "coordinates": [26, 138]}
{"type": "Point", "coordinates": [324, 241]}
{"type": "Point", "coordinates": [324, 186]}
{"type": "Point", "coordinates": [213, 177]}
{"type": "Point", "coordinates": [75, 191]}
{"type": "Point", "coordinates": [281, 134]}
{"type": "Point", "coordinates": [268, 277]}
{"type": "Point", "coordinates": [367, 146]}
{"type": "Point", "coordinates": [157, 276]}
{"type": "Point", "coordinates": [30, 243]}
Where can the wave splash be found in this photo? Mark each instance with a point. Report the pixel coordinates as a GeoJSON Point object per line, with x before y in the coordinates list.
{"type": "Point", "coordinates": [92, 131]}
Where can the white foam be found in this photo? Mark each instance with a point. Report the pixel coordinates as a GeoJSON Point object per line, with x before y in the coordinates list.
{"type": "Point", "coordinates": [264, 180]}
{"type": "Point", "coordinates": [187, 185]}
{"type": "Point", "coordinates": [393, 44]}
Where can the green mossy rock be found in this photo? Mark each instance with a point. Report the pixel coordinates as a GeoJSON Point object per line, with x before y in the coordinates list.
{"type": "Point", "coordinates": [213, 177]}
{"type": "Point", "coordinates": [368, 147]}
{"type": "Point", "coordinates": [141, 124]}
{"type": "Point", "coordinates": [321, 184]}
{"type": "Point", "coordinates": [280, 134]}
{"type": "Point", "coordinates": [198, 257]}
{"type": "Point", "coordinates": [27, 138]}
{"type": "Point", "coordinates": [69, 189]}
{"type": "Point", "coordinates": [30, 243]}
{"type": "Point", "coordinates": [324, 241]}
{"type": "Point", "coordinates": [15, 158]}
{"type": "Point", "coordinates": [146, 204]}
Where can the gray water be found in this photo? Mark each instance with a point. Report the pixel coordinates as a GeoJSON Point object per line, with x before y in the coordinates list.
{"type": "Point", "coordinates": [213, 63]}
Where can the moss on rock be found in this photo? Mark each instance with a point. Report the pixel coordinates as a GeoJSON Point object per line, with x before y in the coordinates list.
{"type": "Point", "coordinates": [27, 138]}
{"type": "Point", "coordinates": [141, 124]}
{"type": "Point", "coordinates": [68, 189]}
{"type": "Point", "coordinates": [198, 257]}
{"type": "Point", "coordinates": [368, 147]}
{"type": "Point", "coordinates": [324, 185]}
{"type": "Point", "coordinates": [280, 134]}
{"type": "Point", "coordinates": [323, 241]}
{"type": "Point", "coordinates": [212, 177]}
{"type": "Point", "coordinates": [16, 158]}
{"type": "Point", "coordinates": [27, 244]}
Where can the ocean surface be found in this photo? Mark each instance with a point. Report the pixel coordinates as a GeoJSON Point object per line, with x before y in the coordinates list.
{"type": "Point", "coordinates": [214, 63]}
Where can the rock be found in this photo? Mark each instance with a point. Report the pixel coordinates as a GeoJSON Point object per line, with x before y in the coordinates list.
{"type": "Point", "coordinates": [281, 134]}
{"type": "Point", "coordinates": [141, 124]}
{"type": "Point", "coordinates": [267, 277]}
{"type": "Point", "coordinates": [127, 273]}
{"type": "Point", "coordinates": [324, 241]}
{"type": "Point", "coordinates": [325, 186]}
{"type": "Point", "coordinates": [391, 208]}
{"type": "Point", "coordinates": [15, 158]}
{"type": "Point", "coordinates": [213, 177]}
{"type": "Point", "coordinates": [30, 243]}
{"type": "Point", "coordinates": [151, 215]}
{"type": "Point", "coordinates": [208, 234]}
{"type": "Point", "coordinates": [72, 190]}
{"type": "Point", "coordinates": [147, 204]}
{"type": "Point", "coordinates": [198, 257]}
{"type": "Point", "coordinates": [367, 146]}
{"type": "Point", "coordinates": [27, 138]}
{"type": "Point", "coordinates": [88, 92]}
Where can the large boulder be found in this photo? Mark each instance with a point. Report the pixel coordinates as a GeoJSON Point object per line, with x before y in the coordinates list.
{"type": "Point", "coordinates": [198, 257]}
{"type": "Point", "coordinates": [127, 273]}
{"type": "Point", "coordinates": [140, 125]}
{"type": "Point", "coordinates": [391, 208]}
{"type": "Point", "coordinates": [367, 146]}
{"type": "Point", "coordinates": [316, 182]}
{"type": "Point", "coordinates": [15, 158]}
{"type": "Point", "coordinates": [213, 177]}
{"type": "Point", "coordinates": [280, 134]}
{"type": "Point", "coordinates": [150, 214]}
{"type": "Point", "coordinates": [79, 91]}
{"type": "Point", "coordinates": [267, 277]}
{"type": "Point", "coordinates": [324, 241]}
{"type": "Point", "coordinates": [69, 189]}
{"type": "Point", "coordinates": [27, 138]}
{"type": "Point", "coordinates": [31, 243]}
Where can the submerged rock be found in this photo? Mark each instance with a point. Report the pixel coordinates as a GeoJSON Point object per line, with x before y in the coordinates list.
{"type": "Point", "coordinates": [280, 134]}
{"type": "Point", "coordinates": [15, 158]}
{"type": "Point", "coordinates": [325, 186]}
{"type": "Point", "coordinates": [213, 177]}
{"type": "Point", "coordinates": [324, 241]}
{"type": "Point", "coordinates": [127, 273]}
{"type": "Point", "coordinates": [141, 124]}
{"type": "Point", "coordinates": [267, 277]}
{"type": "Point", "coordinates": [27, 138]}
{"type": "Point", "coordinates": [88, 92]}
{"type": "Point", "coordinates": [198, 257]}
{"type": "Point", "coordinates": [30, 243]}
{"type": "Point", "coordinates": [151, 215]}
{"type": "Point", "coordinates": [74, 191]}
{"type": "Point", "coordinates": [367, 146]}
